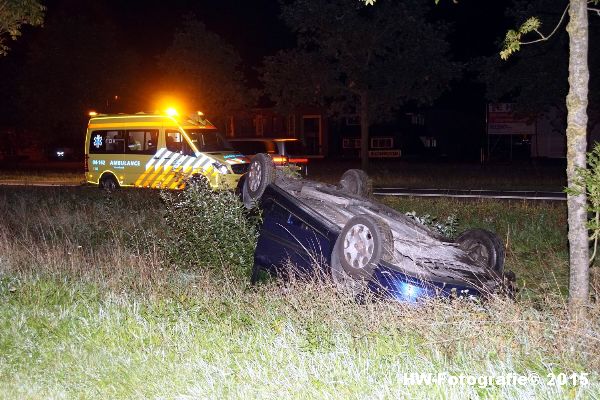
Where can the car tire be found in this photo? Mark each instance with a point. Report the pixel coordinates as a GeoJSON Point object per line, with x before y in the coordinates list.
{"type": "Point", "coordinates": [362, 244]}
{"type": "Point", "coordinates": [483, 247]}
{"type": "Point", "coordinates": [356, 182]}
{"type": "Point", "coordinates": [109, 183]}
{"type": "Point", "coordinates": [260, 174]}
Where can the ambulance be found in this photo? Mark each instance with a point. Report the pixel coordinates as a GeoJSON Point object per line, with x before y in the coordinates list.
{"type": "Point", "coordinates": [159, 151]}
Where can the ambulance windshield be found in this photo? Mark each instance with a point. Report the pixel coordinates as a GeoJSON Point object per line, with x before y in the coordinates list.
{"type": "Point", "coordinates": [208, 140]}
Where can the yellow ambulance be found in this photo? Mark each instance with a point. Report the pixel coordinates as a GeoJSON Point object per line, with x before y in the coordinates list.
{"type": "Point", "coordinates": [159, 151]}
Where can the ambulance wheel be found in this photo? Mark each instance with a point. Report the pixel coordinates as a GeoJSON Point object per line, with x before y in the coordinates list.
{"type": "Point", "coordinates": [356, 182]}
{"type": "Point", "coordinates": [109, 182]}
{"type": "Point", "coordinates": [483, 247]}
{"type": "Point", "coordinates": [260, 174]}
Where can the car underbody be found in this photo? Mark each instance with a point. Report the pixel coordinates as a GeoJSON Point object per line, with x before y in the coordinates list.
{"type": "Point", "coordinates": [369, 244]}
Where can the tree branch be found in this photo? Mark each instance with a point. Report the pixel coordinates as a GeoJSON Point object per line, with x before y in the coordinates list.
{"type": "Point", "coordinates": [596, 10]}
{"type": "Point", "coordinates": [512, 42]}
{"type": "Point", "coordinates": [542, 36]}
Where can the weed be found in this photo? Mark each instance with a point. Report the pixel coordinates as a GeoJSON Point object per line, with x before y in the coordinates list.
{"type": "Point", "coordinates": [447, 227]}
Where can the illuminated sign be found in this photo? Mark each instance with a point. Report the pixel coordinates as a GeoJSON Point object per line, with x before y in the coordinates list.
{"type": "Point", "coordinates": [503, 121]}
{"type": "Point", "coordinates": [384, 153]}
{"type": "Point", "coordinates": [97, 141]}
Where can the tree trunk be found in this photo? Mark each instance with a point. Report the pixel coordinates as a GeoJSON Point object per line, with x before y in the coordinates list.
{"type": "Point", "coordinates": [364, 131]}
{"type": "Point", "coordinates": [577, 119]}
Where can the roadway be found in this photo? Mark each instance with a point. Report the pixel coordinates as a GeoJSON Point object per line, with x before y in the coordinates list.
{"type": "Point", "coordinates": [386, 191]}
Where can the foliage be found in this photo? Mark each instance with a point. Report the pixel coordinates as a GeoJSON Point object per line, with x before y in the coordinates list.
{"type": "Point", "coordinates": [512, 42]}
{"type": "Point", "coordinates": [351, 50]}
{"type": "Point", "coordinates": [13, 15]}
{"type": "Point", "coordinates": [209, 229]}
{"type": "Point", "coordinates": [587, 181]}
{"type": "Point", "coordinates": [207, 69]}
{"type": "Point", "coordinates": [358, 59]}
{"type": "Point", "coordinates": [535, 77]}
{"type": "Point", "coordinates": [577, 124]}
{"type": "Point", "coordinates": [447, 227]}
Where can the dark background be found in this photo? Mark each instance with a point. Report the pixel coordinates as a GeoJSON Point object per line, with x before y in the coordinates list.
{"type": "Point", "coordinates": [143, 30]}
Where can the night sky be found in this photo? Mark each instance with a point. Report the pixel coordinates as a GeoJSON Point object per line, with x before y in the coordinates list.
{"type": "Point", "coordinates": [253, 27]}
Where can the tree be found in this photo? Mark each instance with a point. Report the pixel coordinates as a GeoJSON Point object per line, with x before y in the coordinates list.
{"type": "Point", "coordinates": [577, 121]}
{"type": "Point", "coordinates": [205, 67]}
{"type": "Point", "coordinates": [13, 15]}
{"type": "Point", "coordinates": [536, 79]}
{"type": "Point", "coordinates": [356, 59]}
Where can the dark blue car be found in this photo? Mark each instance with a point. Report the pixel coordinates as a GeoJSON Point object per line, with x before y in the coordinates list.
{"type": "Point", "coordinates": [310, 227]}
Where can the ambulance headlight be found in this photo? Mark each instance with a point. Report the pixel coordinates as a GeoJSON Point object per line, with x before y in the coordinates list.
{"type": "Point", "coordinates": [222, 168]}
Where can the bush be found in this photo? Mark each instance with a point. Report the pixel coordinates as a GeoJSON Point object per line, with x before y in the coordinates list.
{"type": "Point", "coordinates": [209, 229]}
{"type": "Point", "coordinates": [587, 181]}
{"type": "Point", "coordinates": [447, 227]}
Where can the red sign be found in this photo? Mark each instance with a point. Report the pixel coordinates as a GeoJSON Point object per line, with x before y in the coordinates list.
{"type": "Point", "coordinates": [502, 121]}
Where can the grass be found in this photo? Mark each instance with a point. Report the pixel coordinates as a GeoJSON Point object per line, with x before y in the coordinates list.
{"type": "Point", "coordinates": [90, 308]}
{"type": "Point", "coordinates": [42, 176]}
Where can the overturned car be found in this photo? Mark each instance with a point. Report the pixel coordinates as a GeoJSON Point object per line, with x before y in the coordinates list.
{"type": "Point", "coordinates": [362, 244]}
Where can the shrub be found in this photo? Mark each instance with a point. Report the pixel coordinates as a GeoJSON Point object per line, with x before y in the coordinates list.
{"type": "Point", "coordinates": [587, 181]}
{"type": "Point", "coordinates": [447, 228]}
{"type": "Point", "coordinates": [209, 229]}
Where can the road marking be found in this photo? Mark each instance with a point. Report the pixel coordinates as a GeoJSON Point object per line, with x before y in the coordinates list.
{"type": "Point", "coordinates": [473, 194]}
{"type": "Point", "coordinates": [40, 184]}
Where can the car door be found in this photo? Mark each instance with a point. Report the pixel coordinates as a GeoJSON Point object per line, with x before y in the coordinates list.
{"type": "Point", "coordinates": [140, 148]}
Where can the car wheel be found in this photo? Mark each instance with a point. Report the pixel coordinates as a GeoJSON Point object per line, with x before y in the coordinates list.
{"type": "Point", "coordinates": [363, 242]}
{"type": "Point", "coordinates": [483, 247]}
{"type": "Point", "coordinates": [355, 181]}
{"type": "Point", "coordinates": [260, 174]}
{"type": "Point", "coordinates": [109, 183]}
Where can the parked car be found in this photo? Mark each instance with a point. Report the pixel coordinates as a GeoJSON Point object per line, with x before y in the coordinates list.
{"type": "Point", "coordinates": [283, 151]}
{"type": "Point", "coordinates": [362, 244]}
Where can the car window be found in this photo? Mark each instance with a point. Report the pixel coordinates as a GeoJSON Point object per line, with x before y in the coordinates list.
{"type": "Point", "coordinates": [141, 141]}
{"type": "Point", "coordinates": [177, 143]}
{"type": "Point", "coordinates": [208, 140]}
{"type": "Point", "coordinates": [107, 142]}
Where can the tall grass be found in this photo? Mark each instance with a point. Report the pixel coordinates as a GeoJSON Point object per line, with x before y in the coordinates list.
{"type": "Point", "coordinates": [91, 308]}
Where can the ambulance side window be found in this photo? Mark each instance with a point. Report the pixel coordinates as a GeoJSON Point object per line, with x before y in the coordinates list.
{"type": "Point", "coordinates": [107, 142]}
{"type": "Point", "coordinates": [142, 141]}
{"type": "Point", "coordinates": [115, 142]}
{"type": "Point", "coordinates": [177, 144]}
